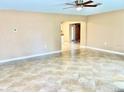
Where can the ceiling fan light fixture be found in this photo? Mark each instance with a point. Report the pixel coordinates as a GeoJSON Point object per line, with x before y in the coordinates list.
{"type": "Point", "coordinates": [79, 8]}
{"type": "Point", "coordinates": [80, 4]}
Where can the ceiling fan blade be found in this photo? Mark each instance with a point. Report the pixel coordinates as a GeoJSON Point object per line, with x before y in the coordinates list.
{"type": "Point", "coordinates": [68, 7]}
{"type": "Point", "coordinates": [69, 4]}
{"type": "Point", "coordinates": [99, 3]}
{"type": "Point", "coordinates": [87, 2]}
{"type": "Point", "coordinates": [91, 5]}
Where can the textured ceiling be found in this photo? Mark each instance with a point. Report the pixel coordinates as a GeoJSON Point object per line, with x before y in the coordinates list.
{"type": "Point", "coordinates": [56, 6]}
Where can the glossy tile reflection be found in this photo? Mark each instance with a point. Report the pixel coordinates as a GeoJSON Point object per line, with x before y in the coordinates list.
{"type": "Point", "coordinates": [70, 46]}
{"type": "Point", "coordinates": [79, 70]}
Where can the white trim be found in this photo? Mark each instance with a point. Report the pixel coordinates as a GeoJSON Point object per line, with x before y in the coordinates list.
{"type": "Point", "coordinates": [103, 50]}
{"type": "Point", "coordinates": [31, 56]}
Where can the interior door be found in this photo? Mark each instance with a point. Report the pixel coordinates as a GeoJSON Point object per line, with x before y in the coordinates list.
{"type": "Point", "coordinates": [77, 32]}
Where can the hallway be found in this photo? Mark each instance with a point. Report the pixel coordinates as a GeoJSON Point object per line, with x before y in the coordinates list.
{"type": "Point", "coordinates": [79, 70]}
{"type": "Point", "coordinates": [70, 46]}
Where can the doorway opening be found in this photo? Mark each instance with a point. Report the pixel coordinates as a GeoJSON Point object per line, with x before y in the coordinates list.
{"type": "Point", "coordinates": [75, 30]}
{"type": "Point", "coordinates": [71, 35]}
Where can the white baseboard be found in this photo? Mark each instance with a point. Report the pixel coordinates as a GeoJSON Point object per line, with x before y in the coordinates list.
{"type": "Point", "coordinates": [31, 56]}
{"type": "Point", "coordinates": [55, 52]}
{"type": "Point", "coordinates": [103, 50]}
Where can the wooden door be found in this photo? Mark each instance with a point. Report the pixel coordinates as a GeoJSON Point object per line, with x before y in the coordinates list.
{"type": "Point", "coordinates": [77, 32]}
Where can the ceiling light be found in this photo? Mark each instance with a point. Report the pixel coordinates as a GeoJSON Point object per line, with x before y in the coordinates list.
{"type": "Point", "coordinates": [79, 8]}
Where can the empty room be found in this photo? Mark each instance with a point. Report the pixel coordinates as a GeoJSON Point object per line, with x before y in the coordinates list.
{"type": "Point", "coordinates": [61, 45]}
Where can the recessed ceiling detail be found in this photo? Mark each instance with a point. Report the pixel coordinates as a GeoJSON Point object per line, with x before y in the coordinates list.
{"type": "Point", "coordinates": [56, 6]}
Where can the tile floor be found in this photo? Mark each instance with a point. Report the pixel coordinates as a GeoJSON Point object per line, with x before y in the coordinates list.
{"type": "Point", "coordinates": [70, 46]}
{"type": "Point", "coordinates": [77, 70]}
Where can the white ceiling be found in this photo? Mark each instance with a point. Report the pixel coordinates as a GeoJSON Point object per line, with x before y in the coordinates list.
{"type": "Point", "coordinates": [56, 6]}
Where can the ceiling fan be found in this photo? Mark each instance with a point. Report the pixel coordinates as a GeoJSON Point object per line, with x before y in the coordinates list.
{"type": "Point", "coordinates": [79, 4]}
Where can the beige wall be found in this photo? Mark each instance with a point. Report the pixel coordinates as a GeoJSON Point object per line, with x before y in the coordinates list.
{"type": "Point", "coordinates": [65, 31]}
{"type": "Point", "coordinates": [106, 31]}
{"type": "Point", "coordinates": [36, 33]}
{"type": "Point", "coordinates": [39, 33]}
{"type": "Point", "coordinates": [65, 26]}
